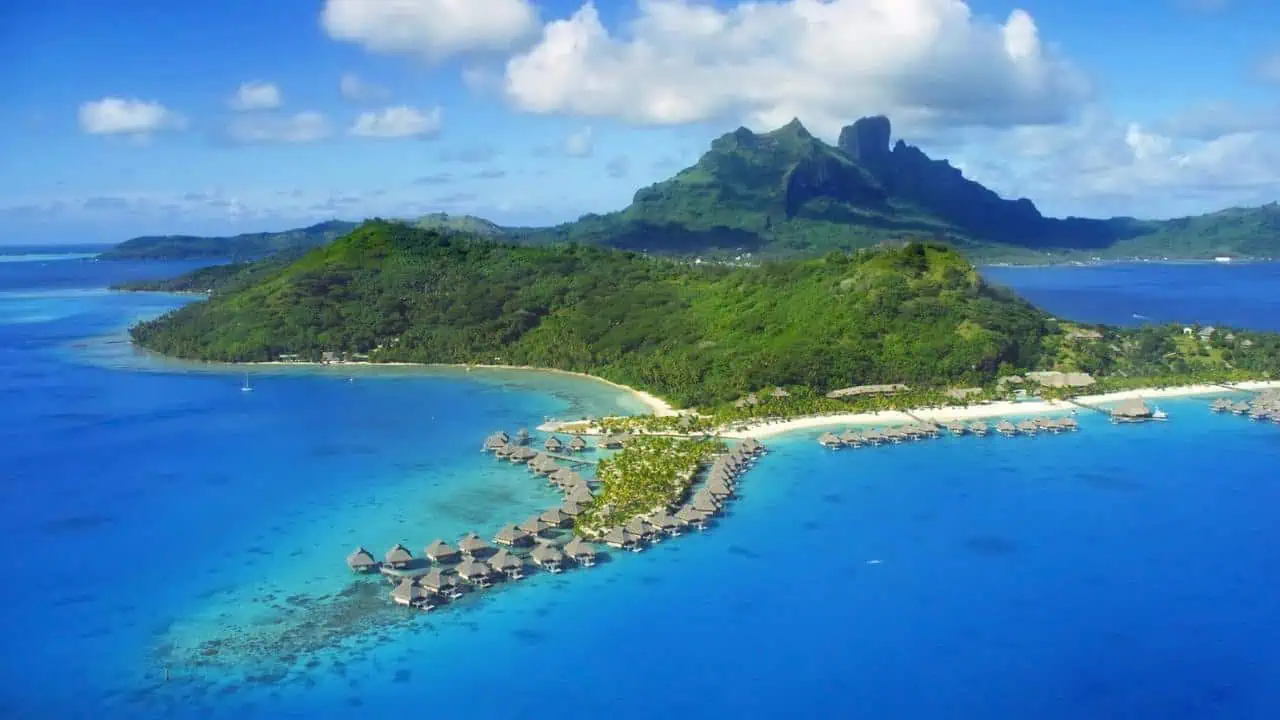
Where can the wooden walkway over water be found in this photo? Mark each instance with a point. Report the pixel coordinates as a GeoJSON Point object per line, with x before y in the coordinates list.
{"type": "Point", "coordinates": [571, 459]}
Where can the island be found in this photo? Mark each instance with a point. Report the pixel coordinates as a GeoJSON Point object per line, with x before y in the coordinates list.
{"type": "Point", "coordinates": [906, 334]}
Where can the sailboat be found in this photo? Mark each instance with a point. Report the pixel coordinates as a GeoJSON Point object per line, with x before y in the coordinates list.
{"type": "Point", "coordinates": [1158, 414]}
{"type": "Point", "coordinates": [246, 387]}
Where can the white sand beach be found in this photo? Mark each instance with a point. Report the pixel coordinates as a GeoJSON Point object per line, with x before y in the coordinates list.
{"type": "Point", "coordinates": [657, 405]}
{"type": "Point", "coordinates": [763, 429]}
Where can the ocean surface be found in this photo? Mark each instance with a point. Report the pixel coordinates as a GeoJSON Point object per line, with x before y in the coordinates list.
{"type": "Point", "coordinates": [175, 545]}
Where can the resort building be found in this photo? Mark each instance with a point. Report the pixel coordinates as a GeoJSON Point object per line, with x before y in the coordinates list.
{"type": "Point", "coordinates": [534, 525]}
{"type": "Point", "coordinates": [620, 539]}
{"type": "Point", "coordinates": [693, 517]}
{"type": "Point", "coordinates": [476, 573]}
{"type": "Point", "coordinates": [548, 557]}
{"type": "Point", "coordinates": [858, 390]}
{"type": "Point", "coordinates": [473, 546]}
{"type": "Point", "coordinates": [410, 594]}
{"type": "Point", "coordinates": [580, 552]}
{"type": "Point", "coordinates": [440, 551]}
{"type": "Point", "coordinates": [437, 581]}
{"type": "Point", "coordinates": [829, 440]}
{"type": "Point", "coordinates": [577, 444]}
{"type": "Point", "coordinates": [398, 557]}
{"type": "Point", "coordinates": [556, 518]}
{"type": "Point", "coordinates": [512, 536]}
{"type": "Point", "coordinates": [362, 561]}
{"type": "Point", "coordinates": [553, 444]}
{"type": "Point", "coordinates": [507, 564]}
{"type": "Point", "coordinates": [1131, 410]}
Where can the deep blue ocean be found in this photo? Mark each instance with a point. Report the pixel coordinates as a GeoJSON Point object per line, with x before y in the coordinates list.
{"type": "Point", "coordinates": [174, 546]}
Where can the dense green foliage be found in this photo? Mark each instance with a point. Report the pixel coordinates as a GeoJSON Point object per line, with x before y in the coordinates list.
{"type": "Point", "coordinates": [648, 474]}
{"type": "Point", "coordinates": [248, 246]}
{"type": "Point", "coordinates": [694, 333]}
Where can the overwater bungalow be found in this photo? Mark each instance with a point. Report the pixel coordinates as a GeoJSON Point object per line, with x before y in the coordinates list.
{"type": "Point", "coordinates": [507, 564]}
{"type": "Point", "coordinates": [873, 437]}
{"type": "Point", "coordinates": [752, 446]}
{"type": "Point", "coordinates": [580, 552]}
{"type": "Point", "coordinates": [534, 525]}
{"type": "Point", "coordinates": [440, 551]}
{"type": "Point", "coordinates": [476, 573]}
{"type": "Point", "coordinates": [705, 504]}
{"type": "Point", "coordinates": [543, 464]}
{"type": "Point", "coordinates": [1051, 425]}
{"type": "Point", "coordinates": [893, 435]}
{"type": "Point", "coordinates": [620, 539]}
{"type": "Point", "coordinates": [572, 509]}
{"type": "Point", "coordinates": [522, 437]}
{"type": "Point", "coordinates": [511, 536]}
{"type": "Point", "coordinates": [548, 557]}
{"type": "Point", "coordinates": [1131, 410]}
{"type": "Point", "coordinates": [719, 489]}
{"type": "Point", "coordinates": [496, 441]}
{"type": "Point", "coordinates": [830, 441]}
{"type": "Point", "coordinates": [577, 444]}
{"type": "Point", "coordinates": [1220, 405]}
{"type": "Point", "coordinates": [956, 427]}
{"type": "Point", "coordinates": [556, 518]}
{"type": "Point", "coordinates": [1028, 427]}
{"type": "Point", "coordinates": [979, 428]}
{"type": "Point", "coordinates": [851, 438]}
{"type": "Point", "coordinates": [440, 583]}
{"type": "Point", "coordinates": [693, 517]}
{"type": "Point", "coordinates": [503, 452]}
{"type": "Point", "coordinates": [663, 522]}
{"type": "Point", "coordinates": [398, 557]}
{"type": "Point", "coordinates": [411, 594]}
{"type": "Point", "coordinates": [362, 561]}
{"type": "Point", "coordinates": [1069, 424]}
{"type": "Point", "coordinates": [1240, 408]}
{"type": "Point", "coordinates": [473, 546]}
{"type": "Point", "coordinates": [610, 442]}
{"type": "Point", "coordinates": [581, 495]}
{"type": "Point", "coordinates": [553, 444]}
{"type": "Point", "coordinates": [639, 528]}
{"type": "Point", "coordinates": [1006, 428]}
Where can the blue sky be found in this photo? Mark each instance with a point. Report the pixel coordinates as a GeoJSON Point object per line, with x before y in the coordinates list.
{"type": "Point", "coordinates": [122, 118]}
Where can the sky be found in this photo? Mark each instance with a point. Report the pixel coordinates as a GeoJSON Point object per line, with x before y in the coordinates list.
{"type": "Point", "coordinates": [134, 117]}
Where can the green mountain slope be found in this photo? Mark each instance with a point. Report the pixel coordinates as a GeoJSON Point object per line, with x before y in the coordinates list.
{"type": "Point", "coordinates": [460, 223]}
{"type": "Point", "coordinates": [238, 247]}
{"type": "Point", "coordinates": [695, 333]}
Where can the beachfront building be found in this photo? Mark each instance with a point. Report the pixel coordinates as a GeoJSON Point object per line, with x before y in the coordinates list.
{"type": "Point", "coordinates": [779, 394]}
{"type": "Point", "coordinates": [507, 564]}
{"type": "Point", "coordinates": [362, 561]}
{"type": "Point", "coordinates": [610, 442]}
{"type": "Point", "coordinates": [956, 428]}
{"type": "Point", "coordinates": [440, 551]}
{"type": "Point", "coordinates": [548, 557]}
{"type": "Point", "coordinates": [411, 594]}
{"type": "Point", "coordinates": [580, 552]}
{"type": "Point", "coordinates": [553, 444]}
{"type": "Point", "coordinates": [577, 444]}
{"type": "Point", "coordinates": [1055, 379]}
{"type": "Point", "coordinates": [1006, 428]}
{"type": "Point", "coordinates": [639, 529]}
{"type": "Point", "coordinates": [472, 546]}
{"type": "Point", "coordinates": [746, 401]}
{"type": "Point", "coordinates": [398, 557]}
{"type": "Point", "coordinates": [1027, 427]}
{"type": "Point", "coordinates": [859, 390]}
{"type": "Point", "coordinates": [663, 522]}
{"type": "Point", "coordinates": [829, 441]}
{"type": "Point", "coordinates": [979, 428]}
{"type": "Point", "coordinates": [476, 573]}
{"type": "Point", "coordinates": [511, 536]}
{"type": "Point", "coordinates": [964, 393]}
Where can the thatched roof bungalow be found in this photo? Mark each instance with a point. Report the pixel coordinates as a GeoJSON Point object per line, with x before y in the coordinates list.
{"type": "Point", "coordinates": [441, 552]}
{"type": "Point", "coordinates": [548, 557]}
{"type": "Point", "coordinates": [398, 557]}
{"type": "Point", "coordinates": [362, 561]}
{"type": "Point", "coordinates": [580, 552]}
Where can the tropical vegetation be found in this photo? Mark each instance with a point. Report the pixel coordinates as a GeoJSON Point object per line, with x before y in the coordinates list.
{"type": "Point", "coordinates": [649, 473]}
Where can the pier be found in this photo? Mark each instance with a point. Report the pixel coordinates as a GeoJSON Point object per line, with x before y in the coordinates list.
{"type": "Point", "coordinates": [551, 542]}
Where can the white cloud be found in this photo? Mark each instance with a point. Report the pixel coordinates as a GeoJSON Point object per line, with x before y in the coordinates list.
{"type": "Point", "coordinates": [303, 127]}
{"type": "Point", "coordinates": [825, 61]}
{"type": "Point", "coordinates": [397, 122]}
{"type": "Point", "coordinates": [1101, 166]}
{"type": "Point", "coordinates": [355, 89]}
{"type": "Point", "coordinates": [579, 143]}
{"type": "Point", "coordinates": [125, 116]}
{"type": "Point", "coordinates": [431, 28]}
{"type": "Point", "coordinates": [256, 95]}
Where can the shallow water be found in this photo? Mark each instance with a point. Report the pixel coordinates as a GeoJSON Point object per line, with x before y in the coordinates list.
{"type": "Point", "coordinates": [163, 521]}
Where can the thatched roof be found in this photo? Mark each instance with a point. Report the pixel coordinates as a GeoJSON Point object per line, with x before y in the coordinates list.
{"type": "Point", "coordinates": [408, 592]}
{"type": "Point", "coordinates": [534, 525]}
{"type": "Point", "coordinates": [554, 516]}
{"type": "Point", "coordinates": [962, 393]}
{"type": "Point", "coordinates": [618, 536]}
{"type": "Point", "coordinates": [867, 390]}
{"type": "Point", "coordinates": [780, 393]}
{"type": "Point", "coordinates": [510, 535]}
{"type": "Point", "coordinates": [472, 569]}
{"type": "Point", "coordinates": [545, 553]}
{"type": "Point", "coordinates": [637, 526]}
{"type": "Point", "coordinates": [576, 548]}
{"type": "Point", "coordinates": [360, 559]}
{"type": "Point", "coordinates": [504, 561]}
{"type": "Point", "coordinates": [827, 438]}
{"type": "Point", "coordinates": [436, 580]}
{"type": "Point", "coordinates": [570, 508]}
{"type": "Point", "coordinates": [471, 544]}
{"type": "Point", "coordinates": [440, 549]}
{"type": "Point", "coordinates": [1132, 408]}
{"type": "Point", "coordinates": [398, 554]}
{"type": "Point", "coordinates": [577, 443]}
{"type": "Point", "coordinates": [553, 443]}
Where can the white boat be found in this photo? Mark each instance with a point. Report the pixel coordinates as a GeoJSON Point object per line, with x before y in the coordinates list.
{"type": "Point", "coordinates": [1158, 414]}
{"type": "Point", "coordinates": [246, 387]}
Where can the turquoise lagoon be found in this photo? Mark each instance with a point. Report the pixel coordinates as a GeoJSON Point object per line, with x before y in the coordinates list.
{"type": "Point", "coordinates": [175, 549]}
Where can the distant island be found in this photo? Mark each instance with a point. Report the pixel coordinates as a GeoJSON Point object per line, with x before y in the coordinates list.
{"type": "Point", "coordinates": [697, 334]}
{"type": "Point", "coordinates": [786, 193]}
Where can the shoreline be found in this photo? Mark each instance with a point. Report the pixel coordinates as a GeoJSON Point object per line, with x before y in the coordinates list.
{"type": "Point", "coordinates": [656, 405]}
{"type": "Point", "coordinates": [1005, 408]}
